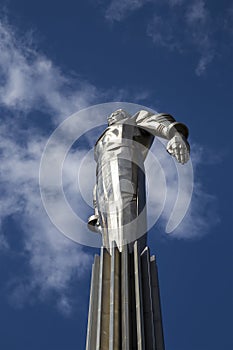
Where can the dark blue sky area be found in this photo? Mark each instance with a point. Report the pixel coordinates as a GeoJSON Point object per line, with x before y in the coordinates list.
{"type": "Point", "coordinates": [174, 56]}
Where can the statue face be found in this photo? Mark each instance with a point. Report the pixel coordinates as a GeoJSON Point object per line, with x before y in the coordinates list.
{"type": "Point", "coordinates": [116, 116]}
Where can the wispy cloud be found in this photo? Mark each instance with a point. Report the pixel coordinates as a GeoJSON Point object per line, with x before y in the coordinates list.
{"type": "Point", "coordinates": [228, 24]}
{"type": "Point", "coordinates": [31, 82]}
{"type": "Point", "coordinates": [3, 243]}
{"type": "Point", "coordinates": [53, 260]}
{"type": "Point", "coordinates": [185, 31]}
{"type": "Point", "coordinates": [200, 28]}
{"type": "Point", "coordinates": [162, 34]}
{"type": "Point", "coordinates": [175, 2]}
{"type": "Point", "coordinates": [197, 12]}
{"type": "Point", "coordinates": [187, 27]}
{"type": "Point", "coordinates": [120, 9]}
{"type": "Point", "coordinates": [202, 214]}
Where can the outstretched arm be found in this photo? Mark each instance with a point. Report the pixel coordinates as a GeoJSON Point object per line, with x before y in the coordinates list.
{"type": "Point", "coordinates": [165, 126]}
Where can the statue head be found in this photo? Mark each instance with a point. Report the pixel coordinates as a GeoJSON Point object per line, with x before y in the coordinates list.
{"type": "Point", "coordinates": [118, 115]}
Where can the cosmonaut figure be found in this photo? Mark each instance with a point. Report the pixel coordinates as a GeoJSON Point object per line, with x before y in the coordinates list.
{"type": "Point", "coordinates": [120, 152]}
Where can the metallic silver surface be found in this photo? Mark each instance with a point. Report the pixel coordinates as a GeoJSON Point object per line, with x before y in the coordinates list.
{"type": "Point", "coordinates": [139, 299]}
{"type": "Point", "coordinates": [114, 318]}
{"type": "Point", "coordinates": [119, 195]}
{"type": "Point", "coordinates": [147, 299]}
{"type": "Point", "coordinates": [99, 308]}
{"type": "Point", "coordinates": [157, 315]}
{"type": "Point", "coordinates": [125, 302]}
{"type": "Point", "coordinates": [93, 304]}
{"type": "Point", "coordinates": [105, 302]}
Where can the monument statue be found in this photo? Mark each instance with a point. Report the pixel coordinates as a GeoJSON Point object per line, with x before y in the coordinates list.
{"type": "Point", "coordinates": [125, 309]}
{"type": "Point", "coordinates": [119, 194]}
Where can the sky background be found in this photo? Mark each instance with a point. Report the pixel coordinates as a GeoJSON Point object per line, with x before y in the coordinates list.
{"type": "Point", "coordinates": [57, 57]}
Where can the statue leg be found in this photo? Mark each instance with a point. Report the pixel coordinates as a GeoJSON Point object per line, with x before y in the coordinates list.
{"type": "Point", "coordinates": [118, 202]}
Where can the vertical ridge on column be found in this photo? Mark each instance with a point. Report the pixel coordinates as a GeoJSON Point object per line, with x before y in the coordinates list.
{"type": "Point", "coordinates": [125, 277]}
{"type": "Point", "coordinates": [103, 301]}
{"type": "Point", "coordinates": [93, 303]}
{"type": "Point", "coordinates": [99, 309]}
{"type": "Point", "coordinates": [138, 298]}
{"type": "Point", "coordinates": [112, 294]}
{"type": "Point", "coordinates": [124, 308]}
{"type": "Point", "coordinates": [117, 301]}
{"type": "Point", "coordinates": [114, 318]}
{"type": "Point", "coordinates": [132, 303]}
{"type": "Point", "coordinates": [147, 300]}
{"type": "Point", "coordinates": [159, 338]}
{"type": "Point", "coordinates": [105, 316]}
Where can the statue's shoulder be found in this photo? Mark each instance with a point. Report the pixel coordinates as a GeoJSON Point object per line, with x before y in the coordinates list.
{"type": "Point", "coordinates": [103, 133]}
{"type": "Point", "coordinates": [141, 115]}
{"type": "Point", "coordinates": [108, 129]}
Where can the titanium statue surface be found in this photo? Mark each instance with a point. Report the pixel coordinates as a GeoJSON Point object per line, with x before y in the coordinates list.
{"type": "Point", "coordinates": [119, 194]}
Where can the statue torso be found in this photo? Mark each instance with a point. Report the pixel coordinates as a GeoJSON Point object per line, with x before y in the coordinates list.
{"type": "Point", "coordinates": [124, 140]}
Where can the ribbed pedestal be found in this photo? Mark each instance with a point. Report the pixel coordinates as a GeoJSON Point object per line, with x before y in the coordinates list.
{"type": "Point", "coordinates": [124, 309]}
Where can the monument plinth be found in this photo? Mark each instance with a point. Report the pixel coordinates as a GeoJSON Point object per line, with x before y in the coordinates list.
{"type": "Point", "coordinates": [124, 309]}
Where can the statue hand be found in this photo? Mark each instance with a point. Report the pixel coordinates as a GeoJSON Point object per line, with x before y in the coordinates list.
{"type": "Point", "coordinates": [179, 148]}
{"type": "Point", "coordinates": [93, 224]}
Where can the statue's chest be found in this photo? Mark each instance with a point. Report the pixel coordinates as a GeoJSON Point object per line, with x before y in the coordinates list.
{"type": "Point", "coordinates": [119, 133]}
{"type": "Point", "coordinates": [114, 138]}
{"type": "Point", "coordinates": [111, 134]}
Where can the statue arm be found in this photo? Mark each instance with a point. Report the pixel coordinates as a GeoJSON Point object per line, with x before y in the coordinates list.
{"type": "Point", "coordinates": [161, 125]}
{"type": "Point", "coordinates": [165, 126]}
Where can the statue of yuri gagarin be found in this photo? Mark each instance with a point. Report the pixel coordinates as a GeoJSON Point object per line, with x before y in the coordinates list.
{"type": "Point", "coordinates": [120, 152]}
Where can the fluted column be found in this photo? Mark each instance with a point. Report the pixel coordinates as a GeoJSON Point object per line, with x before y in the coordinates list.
{"type": "Point", "coordinates": [124, 309]}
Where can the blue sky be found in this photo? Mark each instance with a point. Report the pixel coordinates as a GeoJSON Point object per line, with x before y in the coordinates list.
{"type": "Point", "coordinates": [58, 57]}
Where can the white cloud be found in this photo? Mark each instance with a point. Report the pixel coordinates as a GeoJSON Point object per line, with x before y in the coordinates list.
{"type": "Point", "coordinates": [202, 213]}
{"type": "Point", "coordinates": [30, 81]}
{"type": "Point", "coordinates": [186, 31]}
{"type": "Point", "coordinates": [119, 9]}
{"type": "Point", "coordinates": [228, 21]}
{"type": "Point", "coordinates": [196, 12]}
{"type": "Point", "coordinates": [199, 26]}
{"type": "Point", "coordinates": [200, 219]}
{"type": "Point", "coordinates": [64, 305]}
{"type": "Point", "coordinates": [186, 27]}
{"type": "Point", "coordinates": [175, 2]}
{"type": "Point", "coordinates": [162, 34]}
{"type": "Point", "coordinates": [53, 260]}
{"type": "Point", "coordinates": [3, 243]}
{"type": "Point", "coordinates": [203, 62]}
